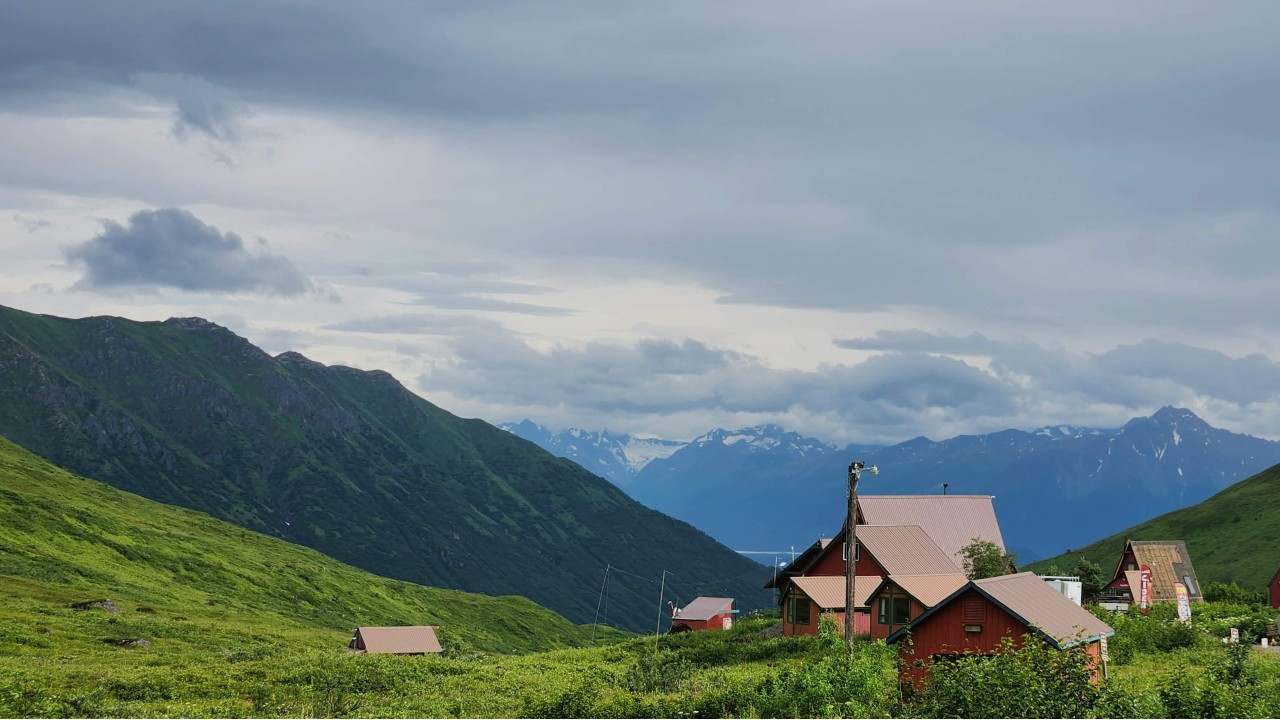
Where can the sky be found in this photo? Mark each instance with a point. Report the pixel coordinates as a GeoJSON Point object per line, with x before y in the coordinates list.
{"type": "Point", "coordinates": [864, 222]}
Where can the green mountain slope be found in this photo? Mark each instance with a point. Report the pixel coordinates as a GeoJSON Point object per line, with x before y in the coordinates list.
{"type": "Point", "coordinates": [68, 538]}
{"type": "Point", "coordinates": [1232, 536]}
{"type": "Point", "coordinates": [344, 461]}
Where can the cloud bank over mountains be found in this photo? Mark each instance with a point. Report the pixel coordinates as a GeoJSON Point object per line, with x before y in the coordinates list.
{"type": "Point", "coordinates": [862, 221]}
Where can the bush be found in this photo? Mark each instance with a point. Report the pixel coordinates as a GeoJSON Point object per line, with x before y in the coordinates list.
{"type": "Point", "coordinates": [1233, 593]}
{"type": "Point", "coordinates": [1158, 632]}
{"type": "Point", "coordinates": [1030, 680]}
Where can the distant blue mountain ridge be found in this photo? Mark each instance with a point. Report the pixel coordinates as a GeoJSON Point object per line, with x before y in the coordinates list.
{"type": "Point", "coordinates": [1056, 488]}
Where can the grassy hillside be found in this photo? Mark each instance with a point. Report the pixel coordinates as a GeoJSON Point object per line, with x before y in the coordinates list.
{"type": "Point", "coordinates": [65, 539]}
{"type": "Point", "coordinates": [344, 461]}
{"type": "Point", "coordinates": [1232, 537]}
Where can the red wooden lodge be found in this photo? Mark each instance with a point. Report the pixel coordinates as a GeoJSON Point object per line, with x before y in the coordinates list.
{"type": "Point", "coordinates": [899, 537]}
{"type": "Point", "coordinates": [981, 613]}
{"type": "Point", "coordinates": [704, 613]}
{"type": "Point", "coordinates": [882, 551]}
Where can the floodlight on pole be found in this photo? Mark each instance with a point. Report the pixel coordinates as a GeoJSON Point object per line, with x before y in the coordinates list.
{"type": "Point", "coordinates": [856, 468]}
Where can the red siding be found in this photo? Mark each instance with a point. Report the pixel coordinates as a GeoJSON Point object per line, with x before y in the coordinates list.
{"type": "Point", "coordinates": [832, 563]}
{"type": "Point", "coordinates": [715, 623]}
{"type": "Point", "coordinates": [943, 633]}
{"type": "Point", "coordinates": [861, 620]}
{"type": "Point", "coordinates": [1275, 591]}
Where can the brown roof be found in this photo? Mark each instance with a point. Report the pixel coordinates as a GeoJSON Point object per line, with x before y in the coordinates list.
{"type": "Point", "coordinates": [1031, 600]}
{"type": "Point", "coordinates": [1169, 563]}
{"type": "Point", "coordinates": [829, 593]}
{"type": "Point", "coordinates": [704, 608]}
{"type": "Point", "coordinates": [951, 521]}
{"type": "Point", "coordinates": [905, 550]}
{"type": "Point", "coordinates": [400, 640]}
{"type": "Point", "coordinates": [1134, 578]}
{"type": "Point", "coordinates": [929, 589]}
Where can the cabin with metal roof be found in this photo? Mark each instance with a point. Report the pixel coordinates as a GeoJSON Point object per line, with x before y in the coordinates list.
{"type": "Point", "coordinates": [979, 615]}
{"type": "Point", "coordinates": [396, 640]}
{"type": "Point", "coordinates": [897, 600]}
{"type": "Point", "coordinates": [704, 613]}
{"type": "Point", "coordinates": [1170, 564]}
{"type": "Point", "coordinates": [881, 551]}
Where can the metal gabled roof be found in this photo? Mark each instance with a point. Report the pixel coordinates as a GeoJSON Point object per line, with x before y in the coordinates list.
{"type": "Point", "coordinates": [400, 640]}
{"type": "Point", "coordinates": [704, 608]}
{"type": "Point", "coordinates": [1032, 602]}
{"type": "Point", "coordinates": [951, 521]}
{"type": "Point", "coordinates": [904, 550]}
{"type": "Point", "coordinates": [828, 591]}
{"type": "Point", "coordinates": [929, 590]}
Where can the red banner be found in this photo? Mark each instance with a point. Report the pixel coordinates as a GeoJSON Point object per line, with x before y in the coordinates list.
{"type": "Point", "coordinates": [1144, 591]}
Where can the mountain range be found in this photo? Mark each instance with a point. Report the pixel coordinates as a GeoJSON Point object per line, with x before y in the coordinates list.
{"type": "Point", "coordinates": [344, 461]}
{"type": "Point", "coordinates": [1058, 487]}
{"type": "Point", "coordinates": [1231, 536]}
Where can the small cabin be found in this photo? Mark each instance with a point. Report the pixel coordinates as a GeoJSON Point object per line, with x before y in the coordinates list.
{"type": "Point", "coordinates": [396, 640]}
{"type": "Point", "coordinates": [1170, 565]}
{"type": "Point", "coordinates": [704, 613]}
{"type": "Point", "coordinates": [979, 615]}
{"type": "Point", "coordinates": [1275, 590]}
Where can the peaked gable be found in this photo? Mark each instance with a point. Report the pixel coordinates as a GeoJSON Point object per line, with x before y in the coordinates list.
{"type": "Point", "coordinates": [1030, 601]}
{"type": "Point", "coordinates": [951, 521]}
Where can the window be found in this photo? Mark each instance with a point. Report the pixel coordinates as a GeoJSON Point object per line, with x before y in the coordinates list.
{"type": "Point", "coordinates": [844, 551]}
{"type": "Point", "coordinates": [798, 610]}
{"type": "Point", "coordinates": [895, 610]}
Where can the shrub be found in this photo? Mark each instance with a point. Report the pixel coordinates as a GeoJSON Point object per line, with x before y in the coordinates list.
{"type": "Point", "coordinates": [1233, 593]}
{"type": "Point", "coordinates": [1158, 632]}
{"type": "Point", "coordinates": [1030, 679]}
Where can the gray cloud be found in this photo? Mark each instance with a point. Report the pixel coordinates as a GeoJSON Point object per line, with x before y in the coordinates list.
{"type": "Point", "coordinates": [172, 248]}
{"type": "Point", "coordinates": [415, 324]}
{"type": "Point", "coordinates": [200, 106]}
{"type": "Point", "coordinates": [866, 156]}
{"type": "Point", "coordinates": [902, 392]}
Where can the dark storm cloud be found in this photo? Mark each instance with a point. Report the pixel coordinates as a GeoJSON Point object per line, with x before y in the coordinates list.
{"type": "Point", "coordinates": [172, 248]}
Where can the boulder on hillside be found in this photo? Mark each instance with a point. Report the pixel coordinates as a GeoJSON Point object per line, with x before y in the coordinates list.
{"type": "Point", "coordinates": [103, 604]}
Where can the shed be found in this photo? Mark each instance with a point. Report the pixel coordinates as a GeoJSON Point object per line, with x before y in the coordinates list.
{"type": "Point", "coordinates": [1170, 563]}
{"type": "Point", "coordinates": [1275, 590]}
{"type": "Point", "coordinates": [981, 613]}
{"type": "Point", "coordinates": [704, 613]}
{"type": "Point", "coordinates": [396, 640]}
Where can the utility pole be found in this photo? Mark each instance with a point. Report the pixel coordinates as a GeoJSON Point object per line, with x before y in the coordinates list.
{"type": "Point", "coordinates": [662, 590]}
{"type": "Point", "coordinates": [851, 546]}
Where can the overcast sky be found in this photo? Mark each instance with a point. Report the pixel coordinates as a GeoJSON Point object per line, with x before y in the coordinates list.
{"type": "Point", "coordinates": [864, 221]}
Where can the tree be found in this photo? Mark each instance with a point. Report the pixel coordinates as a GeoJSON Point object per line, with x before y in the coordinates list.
{"type": "Point", "coordinates": [984, 559]}
{"type": "Point", "coordinates": [1091, 581]}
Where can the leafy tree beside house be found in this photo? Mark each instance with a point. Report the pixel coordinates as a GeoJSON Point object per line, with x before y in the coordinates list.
{"type": "Point", "coordinates": [984, 559]}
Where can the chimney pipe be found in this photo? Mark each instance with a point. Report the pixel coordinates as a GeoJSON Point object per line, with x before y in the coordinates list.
{"type": "Point", "coordinates": [944, 488]}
